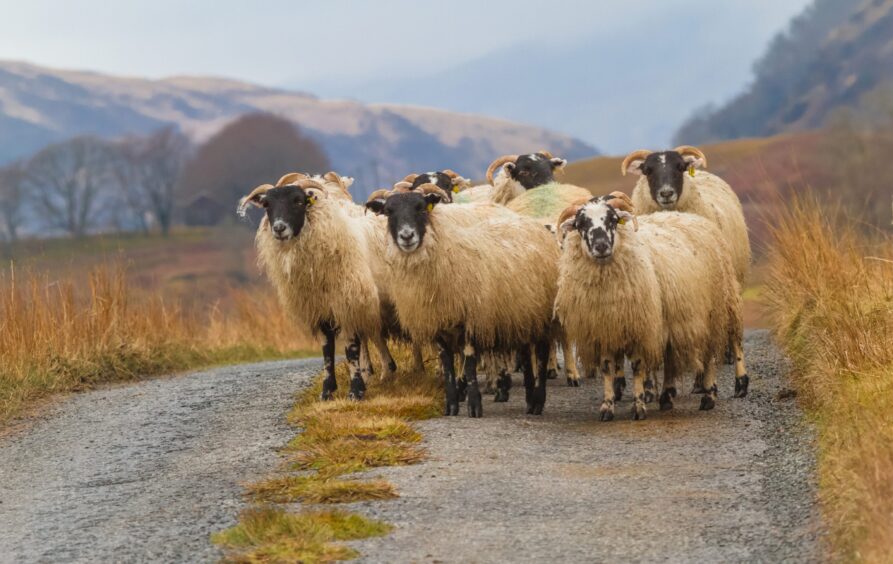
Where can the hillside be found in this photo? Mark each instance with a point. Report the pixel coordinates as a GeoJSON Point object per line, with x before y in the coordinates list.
{"type": "Point", "coordinates": [832, 55]}
{"type": "Point", "coordinates": [375, 143]}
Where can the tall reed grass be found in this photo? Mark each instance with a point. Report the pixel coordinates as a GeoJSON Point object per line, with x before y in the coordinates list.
{"type": "Point", "coordinates": [830, 297]}
{"type": "Point", "coordinates": [58, 336]}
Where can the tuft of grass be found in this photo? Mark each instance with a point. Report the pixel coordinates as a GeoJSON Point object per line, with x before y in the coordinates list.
{"type": "Point", "coordinates": [345, 456]}
{"type": "Point", "coordinates": [830, 297]}
{"type": "Point", "coordinates": [269, 534]}
{"type": "Point", "coordinates": [317, 488]}
{"type": "Point", "coordinates": [335, 425]}
{"type": "Point", "coordinates": [56, 337]}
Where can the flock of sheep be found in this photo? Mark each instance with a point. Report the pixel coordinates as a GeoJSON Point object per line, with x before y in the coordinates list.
{"type": "Point", "coordinates": [504, 273]}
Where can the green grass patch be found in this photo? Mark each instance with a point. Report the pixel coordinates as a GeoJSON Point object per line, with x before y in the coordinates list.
{"type": "Point", "coordinates": [269, 534]}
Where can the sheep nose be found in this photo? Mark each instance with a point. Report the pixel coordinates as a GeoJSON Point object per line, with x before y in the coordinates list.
{"type": "Point", "coordinates": [666, 193]}
{"type": "Point", "coordinates": [406, 235]}
{"type": "Point", "coordinates": [601, 247]}
{"type": "Point", "coordinates": [278, 228]}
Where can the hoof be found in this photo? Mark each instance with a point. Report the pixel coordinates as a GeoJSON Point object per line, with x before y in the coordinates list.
{"type": "Point", "coordinates": [666, 399]}
{"type": "Point", "coordinates": [650, 394]}
{"type": "Point", "coordinates": [619, 386]}
{"type": "Point", "coordinates": [357, 389]}
{"type": "Point", "coordinates": [552, 374]}
{"type": "Point", "coordinates": [356, 395]}
{"type": "Point", "coordinates": [708, 402]}
{"type": "Point", "coordinates": [326, 395]}
{"type": "Point", "coordinates": [571, 383]}
{"type": "Point", "coordinates": [501, 396]}
{"type": "Point", "coordinates": [461, 390]}
{"type": "Point", "coordinates": [475, 406]}
{"type": "Point", "coordinates": [639, 409]}
{"type": "Point", "coordinates": [534, 408]}
{"type": "Point", "coordinates": [451, 409]}
{"type": "Point", "coordinates": [606, 412]}
{"type": "Point", "coordinates": [741, 385]}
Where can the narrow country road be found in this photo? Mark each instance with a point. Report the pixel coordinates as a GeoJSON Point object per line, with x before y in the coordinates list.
{"type": "Point", "coordinates": [148, 471]}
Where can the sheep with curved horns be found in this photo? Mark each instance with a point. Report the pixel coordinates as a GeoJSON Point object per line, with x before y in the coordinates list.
{"type": "Point", "coordinates": [319, 257]}
{"type": "Point", "coordinates": [432, 249]}
{"type": "Point", "coordinates": [657, 288]}
{"type": "Point", "coordinates": [673, 180]}
{"type": "Point", "coordinates": [519, 173]}
{"type": "Point", "coordinates": [447, 180]}
{"type": "Point", "coordinates": [334, 184]}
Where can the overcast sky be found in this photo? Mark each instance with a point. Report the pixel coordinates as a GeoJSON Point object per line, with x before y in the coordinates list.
{"type": "Point", "coordinates": [336, 46]}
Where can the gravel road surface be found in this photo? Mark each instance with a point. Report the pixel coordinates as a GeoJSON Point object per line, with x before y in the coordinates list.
{"type": "Point", "coordinates": [146, 472]}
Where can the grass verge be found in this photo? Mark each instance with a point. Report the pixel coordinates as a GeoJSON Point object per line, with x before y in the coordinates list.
{"type": "Point", "coordinates": [337, 438]}
{"type": "Point", "coordinates": [830, 299]}
{"type": "Point", "coordinates": [59, 337]}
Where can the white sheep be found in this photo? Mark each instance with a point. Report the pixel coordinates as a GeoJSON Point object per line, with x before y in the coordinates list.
{"type": "Point", "coordinates": [658, 289]}
{"type": "Point", "coordinates": [318, 255]}
{"type": "Point", "coordinates": [432, 249]}
{"type": "Point", "coordinates": [673, 181]}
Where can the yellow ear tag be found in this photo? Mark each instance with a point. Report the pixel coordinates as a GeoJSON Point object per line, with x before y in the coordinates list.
{"type": "Point", "coordinates": [455, 189]}
{"type": "Point", "coordinates": [622, 221]}
{"type": "Point", "coordinates": [691, 171]}
{"type": "Point", "coordinates": [430, 207]}
{"type": "Point", "coordinates": [311, 200]}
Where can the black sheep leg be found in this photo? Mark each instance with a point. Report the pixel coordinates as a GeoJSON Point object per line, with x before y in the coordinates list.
{"type": "Point", "coordinates": [357, 384]}
{"type": "Point", "coordinates": [537, 397]}
{"type": "Point", "coordinates": [329, 385]}
{"type": "Point", "coordinates": [445, 350]}
{"type": "Point", "coordinates": [473, 394]}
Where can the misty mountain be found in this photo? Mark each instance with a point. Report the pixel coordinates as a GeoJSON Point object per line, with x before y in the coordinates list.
{"type": "Point", "coordinates": [834, 53]}
{"type": "Point", "coordinates": [375, 143]}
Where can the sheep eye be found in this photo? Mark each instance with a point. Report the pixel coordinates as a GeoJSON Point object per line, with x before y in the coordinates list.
{"type": "Point", "coordinates": [646, 170]}
{"type": "Point", "coordinates": [265, 203]}
{"type": "Point", "coordinates": [298, 201]}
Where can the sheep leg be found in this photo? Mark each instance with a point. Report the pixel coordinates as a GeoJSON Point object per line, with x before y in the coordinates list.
{"type": "Point", "coordinates": [365, 360]}
{"type": "Point", "coordinates": [446, 353]}
{"type": "Point", "coordinates": [329, 385]}
{"type": "Point", "coordinates": [619, 378]}
{"type": "Point", "coordinates": [552, 371]}
{"type": "Point", "coordinates": [669, 387]}
{"type": "Point", "coordinates": [742, 380]}
{"type": "Point", "coordinates": [352, 352]}
{"type": "Point", "coordinates": [570, 364]}
{"type": "Point", "coordinates": [527, 370]}
{"type": "Point", "coordinates": [388, 366]}
{"type": "Point", "coordinates": [650, 390]}
{"type": "Point", "coordinates": [475, 407]}
{"type": "Point", "coordinates": [537, 390]}
{"type": "Point", "coordinates": [418, 363]}
{"type": "Point", "coordinates": [708, 400]}
{"type": "Point", "coordinates": [638, 389]}
{"type": "Point", "coordinates": [606, 411]}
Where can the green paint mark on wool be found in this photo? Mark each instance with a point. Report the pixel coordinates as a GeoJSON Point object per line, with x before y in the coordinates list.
{"type": "Point", "coordinates": [547, 201]}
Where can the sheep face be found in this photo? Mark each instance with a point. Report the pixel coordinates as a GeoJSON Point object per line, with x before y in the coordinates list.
{"type": "Point", "coordinates": [534, 169]}
{"type": "Point", "coordinates": [407, 215]}
{"type": "Point", "coordinates": [597, 224]}
{"type": "Point", "coordinates": [286, 209]}
{"type": "Point", "coordinates": [665, 172]}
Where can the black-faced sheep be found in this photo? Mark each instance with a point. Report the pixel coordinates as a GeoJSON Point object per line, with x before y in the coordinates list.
{"type": "Point", "coordinates": [657, 289]}
{"type": "Point", "coordinates": [432, 249]}
{"type": "Point", "coordinates": [673, 181]}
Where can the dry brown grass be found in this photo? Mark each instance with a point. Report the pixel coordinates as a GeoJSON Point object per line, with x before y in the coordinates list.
{"type": "Point", "coordinates": [59, 336]}
{"type": "Point", "coordinates": [830, 297]}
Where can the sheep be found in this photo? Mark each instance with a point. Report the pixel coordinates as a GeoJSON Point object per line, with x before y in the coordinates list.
{"type": "Point", "coordinates": [434, 248]}
{"type": "Point", "coordinates": [656, 288]}
{"type": "Point", "coordinates": [519, 173]}
{"type": "Point", "coordinates": [334, 184]}
{"type": "Point", "coordinates": [318, 256]}
{"type": "Point", "coordinates": [664, 185]}
{"type": "Point", "coordinates": [447, 180]}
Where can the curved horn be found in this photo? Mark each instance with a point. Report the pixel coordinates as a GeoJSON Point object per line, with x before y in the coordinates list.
{"type": "Point", "coordinates": [546, 154]}
{"type": "Point", "coordinates": [450, 173]}
{"type": "Point", "coordinates": [690, 150]}
{"type": "Point", "coordinates": [498, 163]}
{"type": "Point", "coordinates": [434, 189]}
{"type": "Point", "coordinates": [571, 211]}
{"type": "Point", "coordinates": [290, 178]}
{"type": "Point", "coordinates": [639, 154]}
{"type": "Point", "coordinates": [333, 176]}
{"type": "Point", "coordinates": [402, 186]}
{"type": "Point", "coordinates": [619, 200]}
{"type": "Point", "coordinates": [250, 199]}
{"type": "Point", "coordinates": [410, 178]}
{"type": "Point", "coordinates": [379, 194]}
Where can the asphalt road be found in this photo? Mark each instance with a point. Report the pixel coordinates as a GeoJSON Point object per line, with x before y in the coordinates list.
{"type": "Point", "coordinates": [146, 472]}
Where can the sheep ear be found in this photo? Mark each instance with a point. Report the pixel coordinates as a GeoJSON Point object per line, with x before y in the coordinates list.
{"type": "Point", "coordinates": [459, 184]}
{"type": "Point", "coordinates": [567, 226]}
{"type": "Point", "coordinates": [314, 195]}
{"type": "Point", "coordinates": [508, 167]}
{"type": "Point", "coordinates": [625, 215]}
{"type": "Point", "coordinates": [557, 163]}
{"type": "Point", "coordinates": [694, 162]}
{"type": "Point", "coordinates": [432, 200]}
{"type": "Point", "coordinates": [255, 198]}
{"type": "Point", "coordinates": [375, 206]}
{"type": "Point", "coordinates": [347, 181]}
{"type": "Point", "coordinates": [635, 166]}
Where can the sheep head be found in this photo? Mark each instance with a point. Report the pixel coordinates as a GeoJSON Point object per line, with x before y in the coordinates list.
{"type": "Point", "coordinates": [407, 212]}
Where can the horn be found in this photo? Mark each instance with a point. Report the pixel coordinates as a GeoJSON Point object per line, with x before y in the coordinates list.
{"type": "Point", "coordinates": [402, 186]}
{"type": "Point", "coordinates": [498, 163]}
{"type": "Point", "coordinates": [690, 150]}
{"type": "Point", "coordinates": [305, 183]}
{"type": "Point", "coordinates": [290, 178]}
{"type": "Point", "coordinates": [546, 154]}
{"type": "Point", "coordinates": [450, 173]}
{"type": "Point", "coordinates": [570, 211]}
{"type": "Point", "coordinates": [333, 176]}
{"type": "Point", "coordinates": [378, 194]}
{"type": "Point", "coordinates": [410, 178]}
{"type": "Point", "coordinates": [434, 189]}
{"type": "Point", "coordinates": [640, 154]}
{"type": "Point", "coordinates": [619, 200]}
{"type": "Point", "coordinates": [245, 201]}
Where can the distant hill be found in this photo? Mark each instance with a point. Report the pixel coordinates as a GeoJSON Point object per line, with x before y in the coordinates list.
{"type": "Point", "coordinates": [375, 143]}
{"type": "Point", "coordinates": [833, 54]}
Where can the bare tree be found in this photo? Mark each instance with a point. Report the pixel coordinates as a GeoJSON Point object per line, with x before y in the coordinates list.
{"type": "Point", "coordinates": [147, 171]}
{"type": "Point", "coordinates": [67, 179]}
{"type": "Point", "coordinates": [11, 201]}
